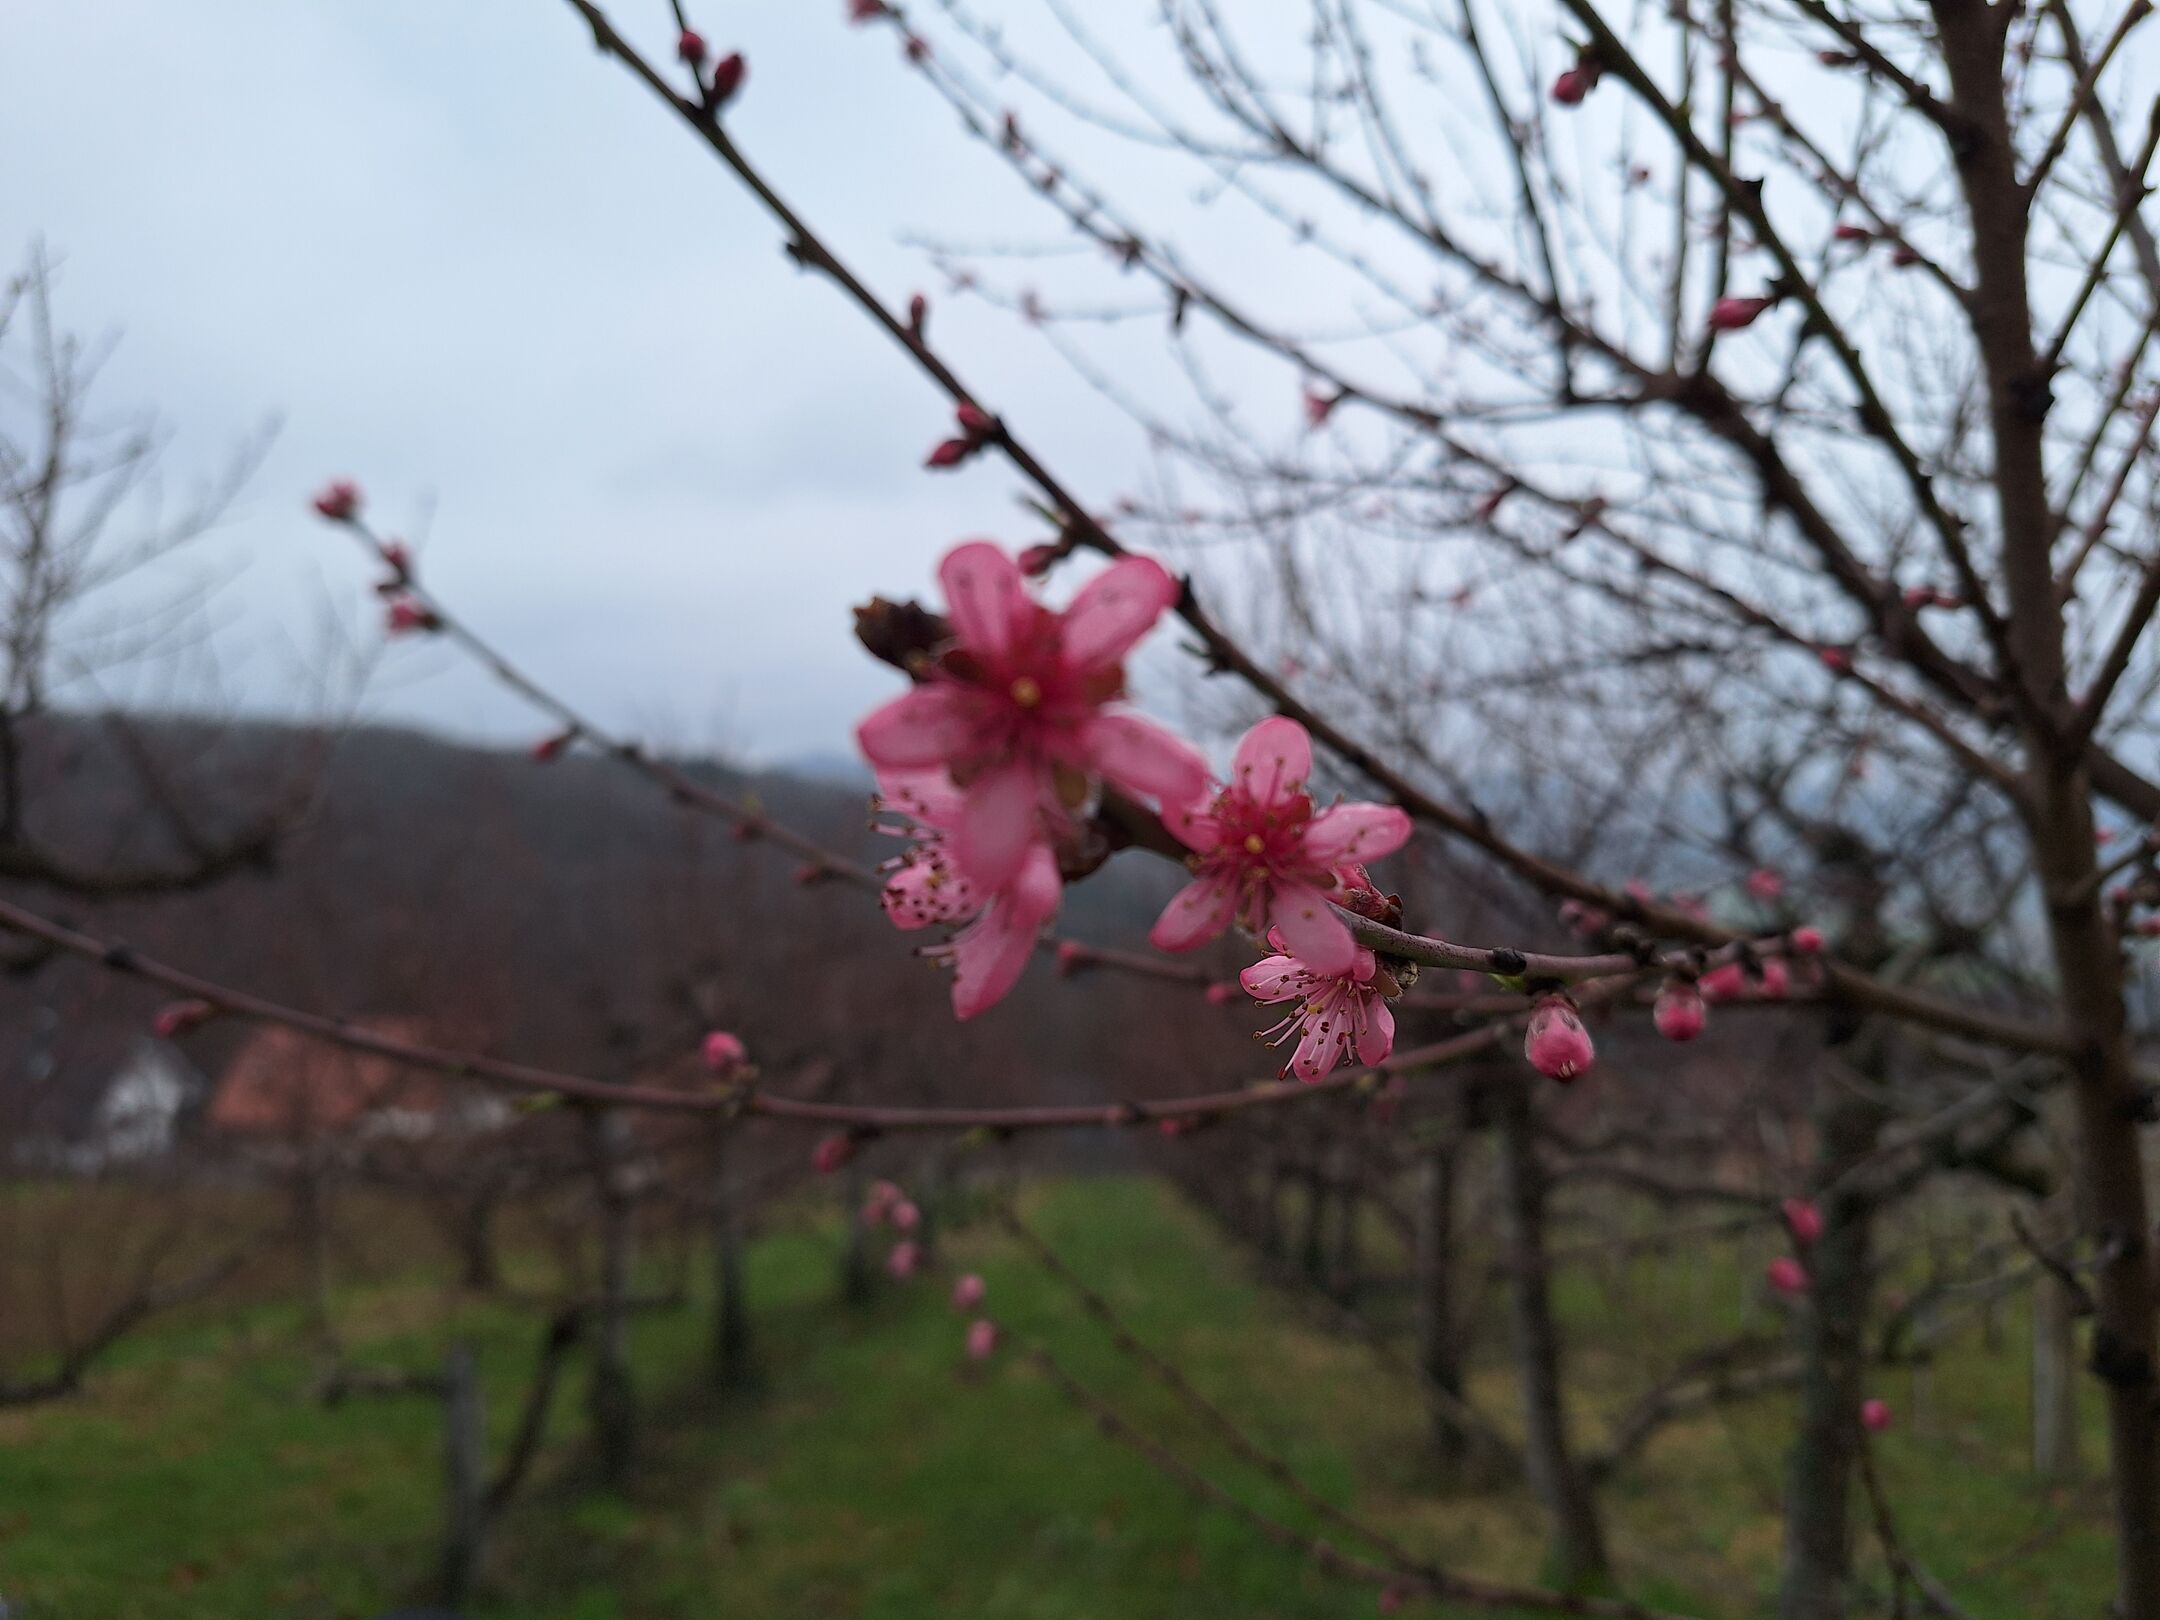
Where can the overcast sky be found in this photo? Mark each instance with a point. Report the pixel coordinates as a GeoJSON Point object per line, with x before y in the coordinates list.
{"type": "Point", "coordinates": [472, 265]}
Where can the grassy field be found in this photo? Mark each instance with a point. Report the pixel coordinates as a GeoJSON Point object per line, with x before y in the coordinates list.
{"type": "Point", "coordinates": [875, 1474]}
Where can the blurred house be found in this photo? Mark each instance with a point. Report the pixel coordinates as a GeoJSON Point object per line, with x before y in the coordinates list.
{"type": "Point", "coordinates": [283, 1091]}
{"type": "Point", "coordinates": [83, 1095]}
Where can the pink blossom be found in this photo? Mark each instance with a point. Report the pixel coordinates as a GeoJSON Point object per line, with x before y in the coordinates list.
{"type": "Point", "coordinates": [176, 1018]}
{"type": "Point", "coordinates": [1875, 1415]}
{"type": "Point", "coordinates": [904, 1259]}
{"type": "Point", "coordinates": [1803, 1220]}
{"type": "Point", "coordinates": [832, 1152]}
{"type": "Point", "coordinates": [1776, 979]}
{"type": "Point", "coordinates": [884, 1196]}
{"type": "Point", "coordinates": [1556, 1043]}
{"type": "Point", "coordinates": [927, 887]}
{"type": "Point", "coordinates": [1765, 884]}
{"type": "Point", "coordinates": [968, 1292]}
{"type": "Point", "coordinates": [1025, 695]}
{"type": "Point", "coordinates": [982, 1339]}
{"type": "Point", "coordinates": [905, 1216]}
{"type": "Point", "coordinates": [1338, 1014]}
{"type": "Point", "coordinates": [1786, 1275]}
{"type": "Point", "coordinates": [724, 1052]}
{"type": "Point", "coordinates": [339, 500]}
{"type": "Point", "coordinates": [1807, 941]}
{"type": "Point", "coordinates": [1263, 859]}
{"type": "Point", "coordinates": [1731, 314]}
{"type": "Point", "coordinates": [1679, 1012]}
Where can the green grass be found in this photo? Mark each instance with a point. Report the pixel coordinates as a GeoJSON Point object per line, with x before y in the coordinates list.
{"type": "Point", "coordinates": [875, 1474]}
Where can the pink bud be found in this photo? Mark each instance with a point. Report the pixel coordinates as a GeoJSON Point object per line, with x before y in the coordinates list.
{"type": "Point", "coordinates": [863, 11]}
{"type": "Point", "coordinates": [1875, 1415]}
{"type": "Point", "coordinates": [1572, 86]}
{"type": "Point", "coordinates": [1776, 979]}
{"type": "Point", "coordinates": [974, 421]}
{"type": "Point", "coordinates": [1679, 1012]}
{"type": "Point", "coordinates": [903, 1260]}
{"type": "Point", "coordinates": [982, 1338]}
{"type": "Point", "coordinates": [949, 453]}
{"type": "Point", "coordinates": [1765, 884]}
{"type": "Point", "coordinates": [832, 1152]}
{"type": "Point", "coordinates": [1727, 982]}
{"type": "Point", "coordinates": [1807, 941]}
{"type": "Point", "coordinates": [1904, 258]}
{"type": "Point", "coordinates": [905, 1216]}
{"type": "Point", "coordinates": [395, 554]}
{"type": "Point", "coordinates": [1837, 660]}
{"type": "Point", "coordinates": [917, 48]}
{"type": "Point", "coordinates": [727, 77]}
{"type": "Point", "coordinates": [967, 1293]}
{"type": "Point", "coordinates": [918, 314]}
{"type": "Point", "coordinates": [691, 47]}
{"type": "Point", "coordinates": [1731, 314]}
{"type": "Point", "coordinates": [1853, 233]}
{"type": "Point", "coordinates": [1171, 1129]}
{"type": "Point", "coordinates": [1803, 1220]}
{"type": "Point", "coordinates": [1221, 993]}
{"type": "Point", "coordinates": [1071, 958]}
{"type": "Point", "coordinates": [339, 501]}
{"type": "Point", "coordinates": [1319, 407]}
{"type": "Point", "coordinates": [1786, 1275]}
{"type": "Point", "coordinates": [1035, 561]}
{"type": "Point", "coordinates": [724, 1052]}
{"type": "Point", "coordinates": [550, 748]}
{"type": "Point", "coordinates": [1556, 1043]}
{"type": "Point", "coordinates": [176, 1018]}
{"type": "Point", "coordinates": [810, 874]}
{"type": "Point", "coordinates": [407, 616]}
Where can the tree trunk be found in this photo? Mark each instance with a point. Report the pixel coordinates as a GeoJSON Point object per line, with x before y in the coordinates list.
{"type": "Point", "coordinates": [1438, 1350]}
{"type": "Point", "coordinates": [465, 1478]}
{"type": "Point", "coordinates": [2055, 1353]}
{"type": "Point", "coordinates": [730, 1358]}
{"type": "Point", "coordinates": [1578, 1539]}
{"type": "Point", "coordinates": [1833, 1345]}
{"type": "Point", "coordinates": [611, 1402]}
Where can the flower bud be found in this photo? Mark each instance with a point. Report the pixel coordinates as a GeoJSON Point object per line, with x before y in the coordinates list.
{"type": "Point", "coordinates": [727, 77]}
{"type": "Point", "coordinates": [982, 1338]}
{"type": "Point", "coordinates": [949, 453]}
{"type": "Point", "coordinates": [550, 748]}
{"type": "Point", "coordinates": [724, 1052]}
{"type": "Point", "coordinates": [1556, 1043]}
{"type": "Point", "coordinates": [904, 1259]}
{"type": "Point", "coordinates": [1807, 941]}
{"type": "Point", "coordinates": [176, 1018]}
{"type": "Point", "coordinates": [905, 1216]}
{"type": "Point", "coordinates": [1731, 314]}
{"type": "Point", "coordinates": [1726, 982]}
{"type": "Point", "coordinates": [1679, 1012]}
{"type": "Point", "coordinates": [399, 559]}
{"type": "Point", "coordinates": [1853, 233]}
{"type": "Point", "coordinates": [1071, 958]}
{"type": "Point", "coordinates": [1875, 1415]}
{"type": "Point", "coordinates": [974, 421]}
{"type": "Point", "coordinates": [1765, 884]}
{"type": "Point", "coordinates": [918, 315]}
{"type": "Point", "coordinates": [339, 501]}
{"type": "Point", "coordinates": [691, 47]}
{"type": "Point", "coordinates": [407, 616]}
{"type": "Point", "coordinates": [832, 1152]}
{"type": "Point", "coordinates": [1786, 1275]}
{"type": "Point", "coordinates": [967, 1293]}
{"type": "Point", "coordinates": [1803, 1220]}
{"type": "Point", "coordinates": [1221, 993]}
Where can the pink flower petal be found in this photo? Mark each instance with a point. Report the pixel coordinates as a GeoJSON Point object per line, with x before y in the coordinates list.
{"type": "Point", "coordinates": [1114, 610]}
{"type": "Point", "coordinates": [1141, 757]}
{"type": "Point", "coordinates": [1311, 930]}
{"type": "Point", "coordinates": [989, 957]}
{"type": "Point", "coordinates": [996, 825]}
{"type": "Point", "coordinates": [926, 726]}
{"type": "Point", "coordinates": [1273, 760]}
{"type": "Point", "coordinates": [1355, 833]}
{"type": "Point", "coordinates": [1194, 825]}
{"type": "Point", "coordinates": [923, 894]}
{"type": "Point", "coordinates": [1376, 1035]}
{"type": "Point", "coordinates": [1276, 978]}
{"type": "Point", "coordinates": [1196, 914]}
{"type": "Point", "coordinates": [925, 792]}
{"type": "Point", "coordinates": [986, 598]}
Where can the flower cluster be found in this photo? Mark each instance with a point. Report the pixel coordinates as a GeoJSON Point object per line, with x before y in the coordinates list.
{"type": "Point", "coordinates": [1010, 733]}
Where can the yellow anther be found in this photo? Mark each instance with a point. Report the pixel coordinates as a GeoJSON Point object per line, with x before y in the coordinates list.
{"type": "Point", "coordinates": [1255, 844]}
{"type": "Point", "coordinates": [1027, 691]}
